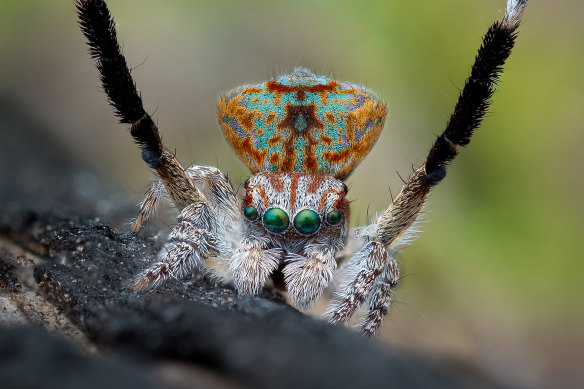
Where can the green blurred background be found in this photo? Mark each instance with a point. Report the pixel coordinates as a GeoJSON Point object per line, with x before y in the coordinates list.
{"type": "Point", "coordinates": [496, 277]}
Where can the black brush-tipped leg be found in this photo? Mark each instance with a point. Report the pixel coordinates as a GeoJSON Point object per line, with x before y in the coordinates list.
{"type": "Point", "coordinates": [99, 28]}
{"type": "Point", "coordinates": [475, 98]}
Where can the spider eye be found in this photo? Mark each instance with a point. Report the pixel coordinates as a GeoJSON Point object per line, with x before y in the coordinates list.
{"type": "Point", "coordinates": [250, 213]}
{"type": "Point", "coordinates": [334, 217]}
{"type": "Point", "coordinates": [307, 222]}
{"type": "Point", "coordinates": [276, 220]}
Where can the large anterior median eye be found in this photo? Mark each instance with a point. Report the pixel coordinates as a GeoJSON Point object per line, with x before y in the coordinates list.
{"type": "Point", "coordinates": [276, 220]}
{"type": "Point", "coordinates": [307, 222]}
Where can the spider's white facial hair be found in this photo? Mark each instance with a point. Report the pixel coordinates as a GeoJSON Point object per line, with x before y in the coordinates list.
{"type": "Point", "coordinates": [294, 193]}
{"type": "Point", "coordinates": [308, 260]}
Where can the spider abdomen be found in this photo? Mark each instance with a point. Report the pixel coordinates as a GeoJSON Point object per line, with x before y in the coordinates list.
{"type": "Point", "coordinates": [302, 122]}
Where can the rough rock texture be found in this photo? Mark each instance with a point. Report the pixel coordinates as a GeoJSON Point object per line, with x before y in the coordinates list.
{"type": "Point", "coordinates": [8, 279]}
{"type": "Point", "coordinates": [65, 270]}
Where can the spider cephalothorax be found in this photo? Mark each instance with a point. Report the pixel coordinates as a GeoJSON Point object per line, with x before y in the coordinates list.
{"type": "Point", "coordinates": [301, 135]}
{"type": "Point", "coordinates": [304, 218]}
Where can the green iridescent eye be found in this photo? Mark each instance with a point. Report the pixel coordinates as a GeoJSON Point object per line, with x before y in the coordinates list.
{"type": "Point", "coordinates": [334, 217]}
{"type": "Point", "coordinates": [276, 220]}
{"type": "Point", "coordinates": [307, 222]}
{"type": "Point", "coordinates": [250, 212]}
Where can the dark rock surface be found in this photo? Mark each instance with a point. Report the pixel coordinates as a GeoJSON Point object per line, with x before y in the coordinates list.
{"type": "Point", "coordinates": [8, 278]}
{"type": "Point", "coordinates": [80, 265]}
{"type": "Point", "coordinates": [30, 358]}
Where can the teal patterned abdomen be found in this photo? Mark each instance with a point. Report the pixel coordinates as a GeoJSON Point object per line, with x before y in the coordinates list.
{"type": "Point", "coordinates": [302, 122]}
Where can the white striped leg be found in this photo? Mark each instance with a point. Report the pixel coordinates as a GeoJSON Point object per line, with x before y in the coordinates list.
{"type": "Point", "coordinates": [192, 241]}
{"type": "Point", "coordinates": [149, 205]}
{"type": "Point", "coordinates": [218, 184]}
{"type": "Point", "coordinates": [391, 232]}
{"type": "Point", "coordinates": [222, 194]}
{"type": "Point", "coordinates": [363, 270]}
{"type": "Point", "coordinates": [380, 299]}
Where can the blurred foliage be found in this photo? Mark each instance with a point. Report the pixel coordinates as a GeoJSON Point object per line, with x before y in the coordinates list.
{"type": "Point", "coordinates": [501, 246]}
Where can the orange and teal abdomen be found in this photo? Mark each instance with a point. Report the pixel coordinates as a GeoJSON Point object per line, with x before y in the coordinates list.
{"type": "Point", "coordinates": [302, 122]}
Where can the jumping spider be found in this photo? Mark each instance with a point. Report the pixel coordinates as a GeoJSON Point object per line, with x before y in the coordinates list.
{"type": "Point", "coordinates": [301, 136]}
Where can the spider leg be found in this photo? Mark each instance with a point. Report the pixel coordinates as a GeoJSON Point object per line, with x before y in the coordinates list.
{"type": "Point", "coordinates": [192, 242]}
{"type": "Point", "coordinates": [203, 231]}
{"type": "Point", "coordinates": [362, 272]}
{"type": "Point", "coordinates": [392, 230]}
{"type": "Point", "coordinates": [148, 206]}
{"type": "Point", "coordinates": [307, 276]}
{"type": "Point", "coordinates": [209, 177]}
{"type": "Point", "coordinates": [216, 182]}
{"type": "Point", "coordinates": [380, 298]}
{"type": "Point", "coordinates": [99, 28]}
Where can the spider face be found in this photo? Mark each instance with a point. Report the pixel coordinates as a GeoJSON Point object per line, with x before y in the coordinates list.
{"type": "Point", "coordinates": [294, 208]}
